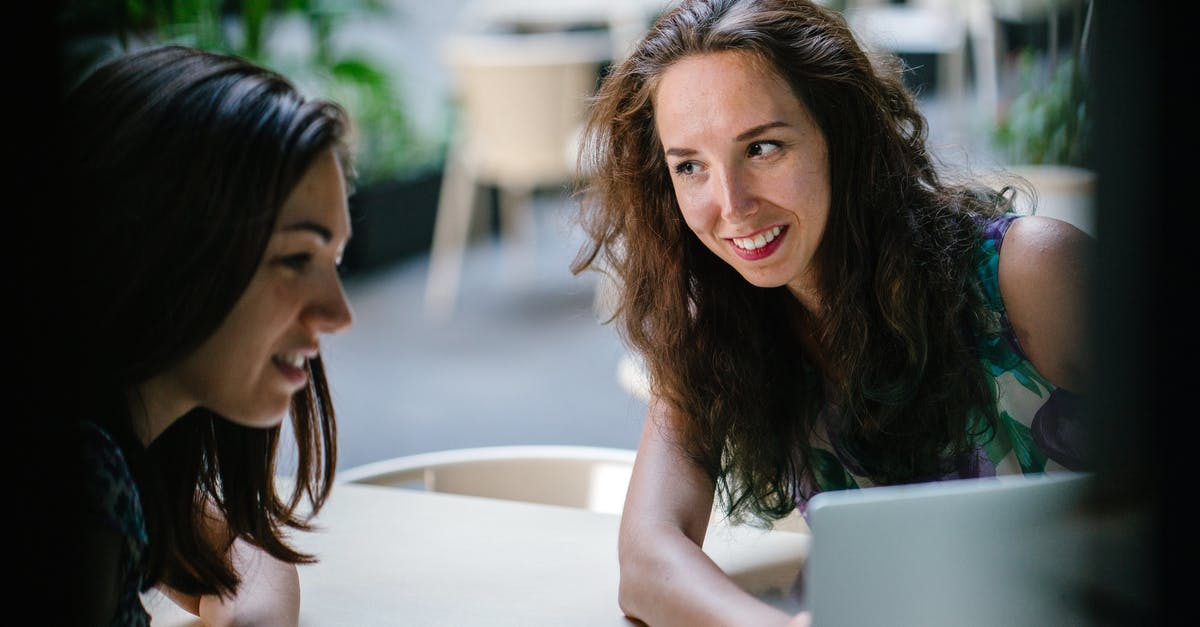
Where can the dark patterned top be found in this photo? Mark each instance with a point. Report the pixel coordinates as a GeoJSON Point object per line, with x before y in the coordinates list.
{"type": "Point", "coordinates": [115, 504]}
{"type": "Point", "coordinates": [1040, 426]}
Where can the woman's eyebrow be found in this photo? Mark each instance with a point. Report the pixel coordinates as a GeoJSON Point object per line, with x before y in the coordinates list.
{"type": "Point", "coordinates": [757, 130]}
{"type": "Point", "coordinates": [743, 136]}
{"type": "Point", "coordinates": [308, 225]}
{"type": "Point", "coordinates": [680, 152]}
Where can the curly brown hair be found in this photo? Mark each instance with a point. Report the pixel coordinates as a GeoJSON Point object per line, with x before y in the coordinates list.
{"type": "Point", "coordinates": [902, 309]}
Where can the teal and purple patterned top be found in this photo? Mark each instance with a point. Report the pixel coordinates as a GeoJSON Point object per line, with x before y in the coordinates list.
{"type": "Point", "coordinates": [1040, 426]}
{"type": "Point", "coordinates": [115, 504]}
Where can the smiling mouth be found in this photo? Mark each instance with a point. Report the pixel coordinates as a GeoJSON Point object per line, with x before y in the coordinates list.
{"type": "Point", "coordinates": [293, 366]}
{"type": "Point", "coordinates": [759, 246]}
{"type": "Point", "coordinates": [295, 360]}
{"type": "Point", "coordinates": [757, 242]}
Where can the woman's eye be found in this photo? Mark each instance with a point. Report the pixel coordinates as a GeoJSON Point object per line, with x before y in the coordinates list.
{"type": "Point", "coordinates": [299, 261]}
{"type": "Point", "coordinates": [687, 168]}
{"type": "Point", "coordinates": [761, 149]}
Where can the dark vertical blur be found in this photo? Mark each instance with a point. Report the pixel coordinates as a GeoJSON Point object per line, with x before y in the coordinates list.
{"type": "Point", "coordinates": [1142, 353]}
{"type": "Point", "coordinates": [41, 482]}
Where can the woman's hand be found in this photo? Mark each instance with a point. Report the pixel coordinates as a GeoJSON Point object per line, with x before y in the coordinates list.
{"type": "Point", "coordinates": [268, 596]}
{"type": "Point", "coordinates": [269, 593]}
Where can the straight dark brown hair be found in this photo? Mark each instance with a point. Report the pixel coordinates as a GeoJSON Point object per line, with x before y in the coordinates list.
{"type": "Point", "coordinates": [172, 165]}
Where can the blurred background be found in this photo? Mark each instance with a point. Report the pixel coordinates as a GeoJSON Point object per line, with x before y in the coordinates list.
{"type": "Point", "coordinates": [470, 329]}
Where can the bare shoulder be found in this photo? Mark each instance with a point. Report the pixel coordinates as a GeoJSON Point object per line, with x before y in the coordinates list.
{"type": "Point", "coordinates": [1044, 275]}
{"type": "Point", "coordinates": [1032, 242]}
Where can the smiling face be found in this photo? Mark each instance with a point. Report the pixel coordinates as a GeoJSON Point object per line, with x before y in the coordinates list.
{"type": "Point", "coordinates": [749, 167]}
{"type": "Point", "coordinates": [251, 366]}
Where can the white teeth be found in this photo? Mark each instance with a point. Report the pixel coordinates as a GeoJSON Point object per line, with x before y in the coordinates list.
{"type": "Point", "coordinates": [758, 241]}
{"type": "Point", "coordinates": [295, 360]}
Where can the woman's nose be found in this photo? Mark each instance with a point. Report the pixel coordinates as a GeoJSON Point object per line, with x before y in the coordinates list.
{"type": "Point", "coordinates": [735, 195]}
{"type": "Point", "coordinates": [330, 312]}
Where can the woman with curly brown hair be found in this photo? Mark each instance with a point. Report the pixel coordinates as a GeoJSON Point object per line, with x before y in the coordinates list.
{"type": "Point", "coordinates": [819, 307]}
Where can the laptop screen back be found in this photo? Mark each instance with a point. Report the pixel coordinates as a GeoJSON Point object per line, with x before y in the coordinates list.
{"type": "Point", "coordinates": [964, 553]}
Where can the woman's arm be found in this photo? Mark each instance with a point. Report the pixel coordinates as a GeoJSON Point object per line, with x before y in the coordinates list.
{"type": "Point", "coordinates": [666, 578]}
{"type": "Point", "coordinates": [1045, 267]}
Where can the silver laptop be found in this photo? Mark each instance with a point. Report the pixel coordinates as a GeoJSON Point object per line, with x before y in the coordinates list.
{"type": "Point", "coordinates": [1008, 551]}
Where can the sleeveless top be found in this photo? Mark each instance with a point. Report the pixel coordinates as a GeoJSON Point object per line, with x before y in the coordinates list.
{"type": "Point", "coordinates": [1040, 425]}
{"type": "Point", "coordinates": [114, 503]}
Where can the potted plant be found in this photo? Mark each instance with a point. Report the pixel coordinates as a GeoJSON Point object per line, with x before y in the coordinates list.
{"type": "Point", "coordinates": [1043, 131]}
{"type": "Point", "coordinates": [397, 169]}
{"type": "Point", "coordinates": [1046, 122]}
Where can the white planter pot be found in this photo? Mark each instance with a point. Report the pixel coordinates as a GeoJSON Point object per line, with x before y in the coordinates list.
{"type": "Point", "coordinates": [1063, 192]}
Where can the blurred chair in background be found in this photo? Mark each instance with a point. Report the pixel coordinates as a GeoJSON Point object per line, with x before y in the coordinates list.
{"type": "Point", "coordinates": [625, 21]}
{"type": "Point", "coordinates": [521, 100]}
{"type": "Point", "coordinates": [593, 478]}
{"type": "Point", "coordinates": [944, 29]}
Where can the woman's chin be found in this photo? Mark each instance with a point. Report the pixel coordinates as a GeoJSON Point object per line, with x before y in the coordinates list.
{"type": "Point", "coordinates": [266, 418]}
{"type": "Point", "coordinates": [763, 281]}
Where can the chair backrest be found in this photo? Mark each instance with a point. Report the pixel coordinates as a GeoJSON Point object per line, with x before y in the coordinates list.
{"type": "Point", "coordinates": [593, 478]}
{"type": "Point", "coordinates": [522, 99]}
{"type": "Point", "coordinates": [586, 477]}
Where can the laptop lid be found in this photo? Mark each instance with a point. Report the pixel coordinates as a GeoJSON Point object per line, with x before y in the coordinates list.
{"type": "Point", "coordinates": [962, 553]}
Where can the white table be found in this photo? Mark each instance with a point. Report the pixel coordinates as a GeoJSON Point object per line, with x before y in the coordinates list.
{"type": "Point", "coordinates": [394, 556]}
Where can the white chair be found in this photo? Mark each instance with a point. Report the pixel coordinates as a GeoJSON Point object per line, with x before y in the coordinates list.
{"type": "Point", "coordinates": [633, 376]}
{"type": "Point", "coordinates": [520, 102]}
{"type": "Point", "coordinates": [625, 21]}
{"type": "Point", "coordinates": [585, 477]}
{"type": "Point", "coordinates": [593, 478]}
{"type": "Point", "coordinates": [1065, 192]}
{"type": "Point", "coordinates": [942, 28]}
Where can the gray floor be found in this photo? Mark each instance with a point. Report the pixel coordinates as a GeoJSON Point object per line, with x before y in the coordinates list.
{"type": "Point", "coordinates": [520, 362]}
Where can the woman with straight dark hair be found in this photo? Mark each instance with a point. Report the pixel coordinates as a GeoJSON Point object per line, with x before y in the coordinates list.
{"type": "Point", "coordinates": [201, 213]}
{"type": "Point", "coordinates": [818, 306]}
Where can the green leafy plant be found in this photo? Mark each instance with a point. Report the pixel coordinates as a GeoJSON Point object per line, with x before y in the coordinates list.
{"type": "Point", "coordinates": [384, 141]}
{"type": "Point", "coordinates": [1047, 121]}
